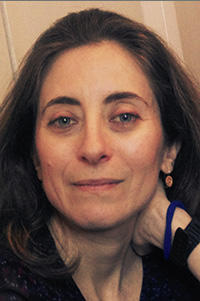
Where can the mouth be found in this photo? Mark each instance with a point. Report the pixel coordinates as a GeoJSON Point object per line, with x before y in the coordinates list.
{"type": "Point", "coordinates": [96, 184]}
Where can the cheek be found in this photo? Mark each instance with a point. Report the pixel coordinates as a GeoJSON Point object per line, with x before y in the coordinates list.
{"type": "Point", "coordinates": [53, 158]}
{"type": "Point", "coordinates": [143, 157]}
{"type": "Point", "coordinates": [53, 162]}
{"type": "Point", "coordinates": [143, 151]}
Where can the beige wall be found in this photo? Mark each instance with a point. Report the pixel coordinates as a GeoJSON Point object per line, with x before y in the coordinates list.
{"type": "Point", "coordinates": [176, 21]}
{"type": "Point", "coordinates": [188, 18]}
{"type": "Point", "coordinates": [27, 19]}
{"type": "Point", "coordinates": [5, 68]}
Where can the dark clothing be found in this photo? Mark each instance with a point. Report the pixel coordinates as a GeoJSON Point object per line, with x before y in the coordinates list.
{"type": "Point", "coordinates": [161, 281]}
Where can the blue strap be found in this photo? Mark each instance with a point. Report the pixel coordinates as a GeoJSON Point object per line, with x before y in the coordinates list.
{"type": "Point", "coordinates": [168, 229]}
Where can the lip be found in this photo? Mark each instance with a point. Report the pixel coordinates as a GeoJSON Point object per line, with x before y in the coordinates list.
{"type": "Point", "coordinates": [97, 184]}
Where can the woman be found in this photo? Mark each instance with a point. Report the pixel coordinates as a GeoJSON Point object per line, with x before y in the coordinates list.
{"type": "Point", "coordinates": [101, 111]}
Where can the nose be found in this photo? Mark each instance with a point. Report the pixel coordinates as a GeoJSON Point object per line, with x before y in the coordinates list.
{"type": "Point", "coordinates": [94, 147]}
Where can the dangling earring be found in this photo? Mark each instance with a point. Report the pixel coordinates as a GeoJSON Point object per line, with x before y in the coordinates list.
{"type": "Point", "coordinates": [169, 181]}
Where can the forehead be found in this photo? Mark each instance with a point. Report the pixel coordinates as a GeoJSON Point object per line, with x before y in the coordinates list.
{"type": "Point", "coordinates": [93, 69]}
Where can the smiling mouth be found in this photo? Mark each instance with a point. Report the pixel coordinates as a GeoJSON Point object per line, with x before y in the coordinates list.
{"type": "Point", "coordinates": [98, 184]}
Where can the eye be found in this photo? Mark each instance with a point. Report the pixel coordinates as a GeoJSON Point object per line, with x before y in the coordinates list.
{"type": "Point", "coordinates": [62, 122]}
{"type": "Point", "coordinates": [125, 118]}
{"type": "Point", "coordinates": [124, 121]}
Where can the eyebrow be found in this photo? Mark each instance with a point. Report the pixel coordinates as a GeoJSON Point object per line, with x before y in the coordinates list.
{"type": "Point", "coordinates": [61, 100]}
{"type": "Point", "coordinates": [123, 95]}
{"type": "Point", "coordinates": [109, 99]}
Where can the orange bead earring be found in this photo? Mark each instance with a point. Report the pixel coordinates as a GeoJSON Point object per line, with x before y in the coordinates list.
{"type": "Point", "coordinates": [169, 181]}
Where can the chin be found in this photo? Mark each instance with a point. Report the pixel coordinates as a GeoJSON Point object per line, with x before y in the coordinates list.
{"type": "Point", "coordinates": [88, 225]}
{"type": "Point", "coordinates": [97, 224]}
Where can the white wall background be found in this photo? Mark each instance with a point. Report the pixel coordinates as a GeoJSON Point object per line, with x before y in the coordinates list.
{"type": "Point", "coordinates": [22, 21]}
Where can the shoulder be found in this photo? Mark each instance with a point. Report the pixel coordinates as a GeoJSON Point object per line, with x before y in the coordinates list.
{"type": "Point", "coordinates": [163, 280]}
{"type": "Point", "coordinates": [11, 275]}
{"type": "Point", "coordinates": [17, 282]}
{"type": "Point", "coordinates": [16, 278]}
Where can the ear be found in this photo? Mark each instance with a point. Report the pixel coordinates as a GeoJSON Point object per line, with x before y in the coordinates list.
{"type": "Point", "coordinates": [169, 157]}
{"type": "Point", "coordinates": [37, 166]}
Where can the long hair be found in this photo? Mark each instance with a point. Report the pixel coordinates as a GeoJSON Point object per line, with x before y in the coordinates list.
{"type": "Point", "coordinates": [24, 207]}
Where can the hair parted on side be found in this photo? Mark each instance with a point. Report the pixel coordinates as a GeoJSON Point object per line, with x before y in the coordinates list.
{"type": "Point", "coordinates": [24, 207]}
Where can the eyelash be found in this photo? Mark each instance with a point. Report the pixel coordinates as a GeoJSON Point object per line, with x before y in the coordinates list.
{"type": "Point", "coordinates": [131, 118]}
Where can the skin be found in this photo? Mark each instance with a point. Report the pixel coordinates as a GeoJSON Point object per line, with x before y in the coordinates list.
{"type": "Point", "coordinates": [111, 133]}
{"type": "Point", "coordinates": [153, 218]}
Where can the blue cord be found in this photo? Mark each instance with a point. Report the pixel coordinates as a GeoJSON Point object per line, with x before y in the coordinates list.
{"type": "Point", "coordinates": [168, 229]}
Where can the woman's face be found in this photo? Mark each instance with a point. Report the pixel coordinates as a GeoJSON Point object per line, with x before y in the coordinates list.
{"type": "Point", "coordinates": [99, 137]}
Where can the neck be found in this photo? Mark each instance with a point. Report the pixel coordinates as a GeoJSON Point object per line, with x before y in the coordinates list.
{"type": "Point", "coordinates": [106, 258]}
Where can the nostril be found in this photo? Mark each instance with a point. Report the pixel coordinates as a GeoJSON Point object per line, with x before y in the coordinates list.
{"type": "Point", "coordinates": [94, 159]}
{"type": "Point", "coordinates": [84, 158]}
